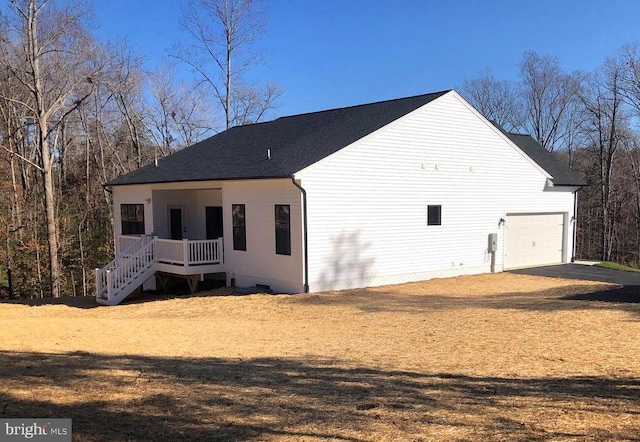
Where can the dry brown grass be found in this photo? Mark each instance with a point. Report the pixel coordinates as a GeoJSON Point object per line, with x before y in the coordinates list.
{"type": "Point", "coordinates": [490, 357]}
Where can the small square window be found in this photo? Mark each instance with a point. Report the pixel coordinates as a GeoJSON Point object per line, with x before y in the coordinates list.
{"type": "Point", "coordinates": [434, 215]}
{"type": "Point", "coordinates": [132, 219]}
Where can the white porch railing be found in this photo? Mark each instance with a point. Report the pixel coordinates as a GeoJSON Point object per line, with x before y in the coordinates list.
{"type": "Point", "coordinates": [170, 251]}
{"type": "Point", "coordinates": [138, 257]}
{"type": "Point", "coordinates": [123, 260]}
{"type": "Point", "coordinates": [125, 241]}
{"type": "Point", "coordinates": [204, 251]}
{"type": "Point", "coordinates": [189, 252]}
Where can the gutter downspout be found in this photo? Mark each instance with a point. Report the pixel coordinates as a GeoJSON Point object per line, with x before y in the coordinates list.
{"type": "Point", "coordinates": [304, 233]}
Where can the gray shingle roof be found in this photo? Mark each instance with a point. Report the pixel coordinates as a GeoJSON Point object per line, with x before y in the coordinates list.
{"type": "Point", "coordinates": [295, 142]}
{"type": "Point", "coordinates": [561, 175]}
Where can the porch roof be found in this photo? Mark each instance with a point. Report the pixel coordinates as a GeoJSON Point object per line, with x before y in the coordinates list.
{"type": "Point", "coordinates": [295, 142]}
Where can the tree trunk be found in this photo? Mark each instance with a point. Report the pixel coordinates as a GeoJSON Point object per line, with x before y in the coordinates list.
{"type": "Point", "coordinates": [50, 219]}
{"type": "Point", "coordinates": [46, 153]}
{"type": "Point", "coordinates": [227, 105]}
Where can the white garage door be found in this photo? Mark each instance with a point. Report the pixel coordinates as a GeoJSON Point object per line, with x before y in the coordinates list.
{"type": "Point", "coordinates": [533, 239]}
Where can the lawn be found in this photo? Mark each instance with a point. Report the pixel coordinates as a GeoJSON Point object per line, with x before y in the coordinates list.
{"type": "Point", "coordinates": [616, 266]}
{"type": "Point", "coordinates": [489, 357]}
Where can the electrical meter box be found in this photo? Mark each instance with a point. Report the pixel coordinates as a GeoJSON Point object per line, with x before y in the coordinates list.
{"type": "Point", "coordinates": [493, 242]}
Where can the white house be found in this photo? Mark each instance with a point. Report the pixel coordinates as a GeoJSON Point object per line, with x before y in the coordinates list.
{"type": "Point", "coordinates": [380, 193]}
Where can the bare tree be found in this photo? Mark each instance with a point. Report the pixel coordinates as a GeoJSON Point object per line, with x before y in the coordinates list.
{"type": "Point", "coordinates": [221, 35]}
{"type": "Point", "coordinates": [547, 93]}
{"type": "Point", "coordinates": [607, 124]}
{"type": "Point", "coordinates": [12, 125]}
{"type": "Point", "coordinates": [175, 114]}
{"type": "Point", "coordinates": [629, 66]}
{"type": "Point", "coordinates": [574, 133]}
{"type": "Point", "coordinates": [630, 63]}
{"type": "Point", "coordinates": [632, 150]}
{"type": "Point", "coordinates": [496, 100]}
{"type": "Point", "coordinates": [124, 80]}
{"type": "Point", "coordinates": [48, 57]}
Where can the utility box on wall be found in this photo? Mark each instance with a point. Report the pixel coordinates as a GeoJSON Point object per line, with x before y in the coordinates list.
{"type": "Point", "coordinates": [493, 242]}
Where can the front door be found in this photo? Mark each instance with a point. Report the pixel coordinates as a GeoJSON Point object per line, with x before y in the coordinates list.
{"type": "Point", "coordinates": [175, 222]}
{"type": "Point", "coordinates": [213, 220]}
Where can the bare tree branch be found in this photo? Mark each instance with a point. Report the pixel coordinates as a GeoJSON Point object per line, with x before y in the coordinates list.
{"type": "Point", "coordinates": [221, 34]}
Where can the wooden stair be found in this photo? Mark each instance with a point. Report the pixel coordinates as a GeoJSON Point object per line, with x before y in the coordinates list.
{"type": "Point", "coordinates": [128, 271]}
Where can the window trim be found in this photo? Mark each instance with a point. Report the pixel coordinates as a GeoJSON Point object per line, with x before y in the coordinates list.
{"type": "Point", "coordinates": [239, 236]}
{"type": "Point", "coordinates": [282, 232]}
{"type": "Point", "coordinates": [129, 211]}
{"type": "Point", "coordinates": [430, 215]}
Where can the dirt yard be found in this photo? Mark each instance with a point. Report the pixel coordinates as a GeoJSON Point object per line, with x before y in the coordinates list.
{"type": "Point", "coordinates": [492, 357]}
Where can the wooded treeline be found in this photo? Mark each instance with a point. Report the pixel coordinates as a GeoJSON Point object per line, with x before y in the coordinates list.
{"type": "Point", "coordinates": [76, 112]}
{"type": "Point", "coordinates": [590, 121]}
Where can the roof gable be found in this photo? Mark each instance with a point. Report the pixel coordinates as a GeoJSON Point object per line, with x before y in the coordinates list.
{"type": "Point", "coordinates": [293, 143]}
{"type": "Point", "coordinates": [561, 175]}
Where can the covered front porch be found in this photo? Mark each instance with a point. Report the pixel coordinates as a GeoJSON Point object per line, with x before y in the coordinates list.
{"type": "Point", "coordinates": [172, 211]}
{"type": "Point", "coordinates": [163, 230]}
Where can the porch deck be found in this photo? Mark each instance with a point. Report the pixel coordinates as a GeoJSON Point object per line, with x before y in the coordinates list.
{"type": "Point", "coordinates": [139, 258]}
{"type": "Point", "coordinates": [182, 257]}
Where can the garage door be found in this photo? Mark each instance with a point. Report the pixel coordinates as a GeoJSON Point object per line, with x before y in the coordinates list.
{"type": "Point", "coordinates": [533, 239]}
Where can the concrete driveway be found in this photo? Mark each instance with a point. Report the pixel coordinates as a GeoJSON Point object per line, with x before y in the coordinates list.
{"type": "Point", "coordinates": [630, 281]}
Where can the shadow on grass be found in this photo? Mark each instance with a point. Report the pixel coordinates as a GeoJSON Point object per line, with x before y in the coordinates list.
{"type": "Point", "coordinates": [158, 295]}
{"type": "Point", "coordinates": [89, 302]}
{"type": "Point", "coordinates": [628, 294]}
{"type": "Point", "coordinates": [580, 296]}
{"type": "Point", "coordinates": [166, 399]}
{"type": "Point", "coordinates": [81, 302]}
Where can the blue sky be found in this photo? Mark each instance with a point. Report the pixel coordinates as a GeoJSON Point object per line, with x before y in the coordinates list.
{"type": "Point", "coordinates": [333, 53]}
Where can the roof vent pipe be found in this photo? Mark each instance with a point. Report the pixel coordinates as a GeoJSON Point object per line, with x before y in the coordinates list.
{"type": "Point", "coordinates": [268, 154]}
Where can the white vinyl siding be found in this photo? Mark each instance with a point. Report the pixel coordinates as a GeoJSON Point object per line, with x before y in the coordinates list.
{"type": "Point", "coordinates": [136, 194]}
{"type": "Point", "coordinates": [260, 264]}
{"type": "Point", "coordinates": [367, 204]}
